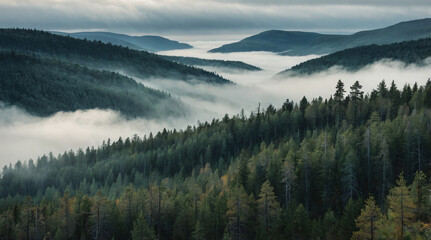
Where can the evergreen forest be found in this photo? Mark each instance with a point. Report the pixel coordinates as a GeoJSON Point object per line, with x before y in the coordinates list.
{"type": "Point", "coordinates": [351, 166]}
{"type": "Point", "coordinates": [101, 56]}
{"type": "Point", "coordinates": [46, 86]}
{"type": "Point", "coordinates": [354, 59]}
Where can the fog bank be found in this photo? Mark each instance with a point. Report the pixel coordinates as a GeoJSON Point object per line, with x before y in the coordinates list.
{"type": "Point", "coordinates": [23, 136]}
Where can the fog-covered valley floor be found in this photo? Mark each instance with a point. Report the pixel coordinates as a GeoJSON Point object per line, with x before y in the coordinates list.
{"type": "Point", "coordinates": [24, 136]}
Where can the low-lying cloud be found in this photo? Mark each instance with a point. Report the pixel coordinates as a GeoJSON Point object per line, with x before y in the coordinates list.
{"type": "Point", "coordinates": [23, 136]}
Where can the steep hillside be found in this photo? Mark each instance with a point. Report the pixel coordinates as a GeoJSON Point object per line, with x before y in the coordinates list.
{"type": "Point", "coordinates": [98, 55]}
{"type": "Point", "coordinates": [44, 86]}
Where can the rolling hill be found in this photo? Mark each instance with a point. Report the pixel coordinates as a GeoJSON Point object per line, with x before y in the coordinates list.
{"type": "Point", "coordinates": [45, 86]}
{"type": "Point", "coordinates": [199, 62]}
{"type": "Point", "coordinates": [353, 59]}
{"type": "Point", "coordinates": [147, 43]}
{"type": "Point", "coordinates": [295, 43]}
{"type": "Point", "coordinates": [102, 56]}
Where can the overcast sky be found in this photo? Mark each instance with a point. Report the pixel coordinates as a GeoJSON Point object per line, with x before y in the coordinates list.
{"type": "Point", "coordinates": [209, 17]}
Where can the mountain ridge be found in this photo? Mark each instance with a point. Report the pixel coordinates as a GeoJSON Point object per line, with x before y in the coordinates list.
{"type": "Point", "coordinates": [98, 55]}
{"type": "Point", "coordinates": [295, 43]}
{"type": "Point", "coordinates": [199, 62]}
{"type": "Point", "coordinates": [46, 86]}
{"type": "Point", "coordinates": [353, 59]}
{"type": "Point", "coordinates": [149, 43]}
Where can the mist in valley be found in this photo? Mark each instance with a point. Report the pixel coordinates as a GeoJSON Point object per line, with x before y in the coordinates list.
{"type": "Point", "coordinates": [24, 136]}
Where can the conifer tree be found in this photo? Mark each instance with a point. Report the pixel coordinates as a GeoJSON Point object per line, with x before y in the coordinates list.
{"type": "Point", "coordinates": [269, 209]}
{"type": "Point", "coordinates": [367, 221]}
{"type": "Point", "coordinates": [141, 230]}
{"type": "Point", "coordinates": [339, 97]}
{"type": "Point", "coordinates": [402, 209]}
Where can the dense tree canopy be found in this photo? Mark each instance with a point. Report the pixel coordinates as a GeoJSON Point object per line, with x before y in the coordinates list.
{"type": "Point", "coordinates": [98, 55]}
{"type": "Point", "coordinates": [45, 86]}
{"type": "Point", "coordinates": [353, 59]}
{"type": "Point", "coordinates": [278, 174]}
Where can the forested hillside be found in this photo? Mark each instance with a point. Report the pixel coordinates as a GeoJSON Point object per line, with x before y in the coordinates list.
{"type": "Point", "coordinates": [98, 55]}
{"type": "Point", "coordinates": [44, 87]}
{"type": "Point", "coordinates": [192, 61]}
{"type": "Point", "coordinates": [353, 59]}
{"type": "Point", "coordinates": [351, 165]}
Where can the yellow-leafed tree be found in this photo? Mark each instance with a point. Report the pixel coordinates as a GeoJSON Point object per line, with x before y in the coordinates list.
{"type": "Point", "coordinates": [367, 221]}
{"type": "Point", "coordinates": [402, 209]}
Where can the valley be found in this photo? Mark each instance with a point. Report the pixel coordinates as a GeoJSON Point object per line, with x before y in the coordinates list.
{"type": "Point", "coordinates": [281, 135]}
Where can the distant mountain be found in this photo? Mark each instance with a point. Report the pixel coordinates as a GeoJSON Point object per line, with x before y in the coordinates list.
{"type": "Point", "coordinates": [353, 59]}
{"type": "Point", "coordinates": [102, 56]}
{"type": "Point", "coordinates": [275, 41]}
{"type": "Point", "coordinates": [147, 43]}
{"type": "Point", "coordinates": [45, 86]}
{"type": "Point", "coordinates": [199, 62]}
{"type": "Point", "coordinates": [295, 43]}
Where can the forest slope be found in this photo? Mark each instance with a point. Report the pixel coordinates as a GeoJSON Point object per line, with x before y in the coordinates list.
{"type": "Point", "coordinates": [353, 59]}
{"type": "Point", "coordinates": [299, 172]}
{"type": "Point", "coordinates": [44, 87]}
{"type": "Point", "coordinates": [199, 62]}
{"type": "Point", "coordinates": [98, 55]}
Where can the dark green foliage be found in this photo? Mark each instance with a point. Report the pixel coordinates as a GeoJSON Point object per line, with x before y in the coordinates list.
{"type": "Point", "coordinates": [353, 59]}
{"type": "Point", "coordinates": [95, 54]}
{"type": "Point", "coordinates": [170, 184]}
{"type": "Point", "coordinates": [44, 87]}
{"type": "Point", "coordinates": [234, 65]}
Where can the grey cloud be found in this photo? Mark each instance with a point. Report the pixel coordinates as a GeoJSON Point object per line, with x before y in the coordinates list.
{"type": "Point", "coordinates": [23, 136]}
{"type": "Point", "coordinates": [210, 16]}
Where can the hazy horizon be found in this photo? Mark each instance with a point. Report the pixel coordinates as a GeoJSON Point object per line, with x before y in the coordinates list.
{"type": "Point", "coordinates": [209, 17]}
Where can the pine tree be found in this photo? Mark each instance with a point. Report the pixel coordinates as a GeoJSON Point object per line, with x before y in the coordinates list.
{"type": "Point", "coordinates": [269, 209]}
{"type": "Point", "coordinates": [356, 96]}
{"type": "Point", "coordinates": [238, 208]}
{"type": "Point", "coordinates": [141, 230]}
{"type": "Point", "coordinates": [419, 194]}
{"type": "Point", "coordinates": [67, 216]}
{"type": "Point", "coordinates": [301, 223]}
{"type": "Point", "coordinates": [402, 209]}
{"type": "Point", "coordinates": [347, 222]}
{"type": "Point", "coordinates": [348, 178]}
{"type": "Point", "coordinates": [288, 178]}
{"type": "Point", "coordinates": [339, 97]}
{"type": "Point", "coordinates": [198, 233]}
{"type": "Point", "coordinates": [100, 217]}
{"type": "Point", "coordinates": [367, 221]}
